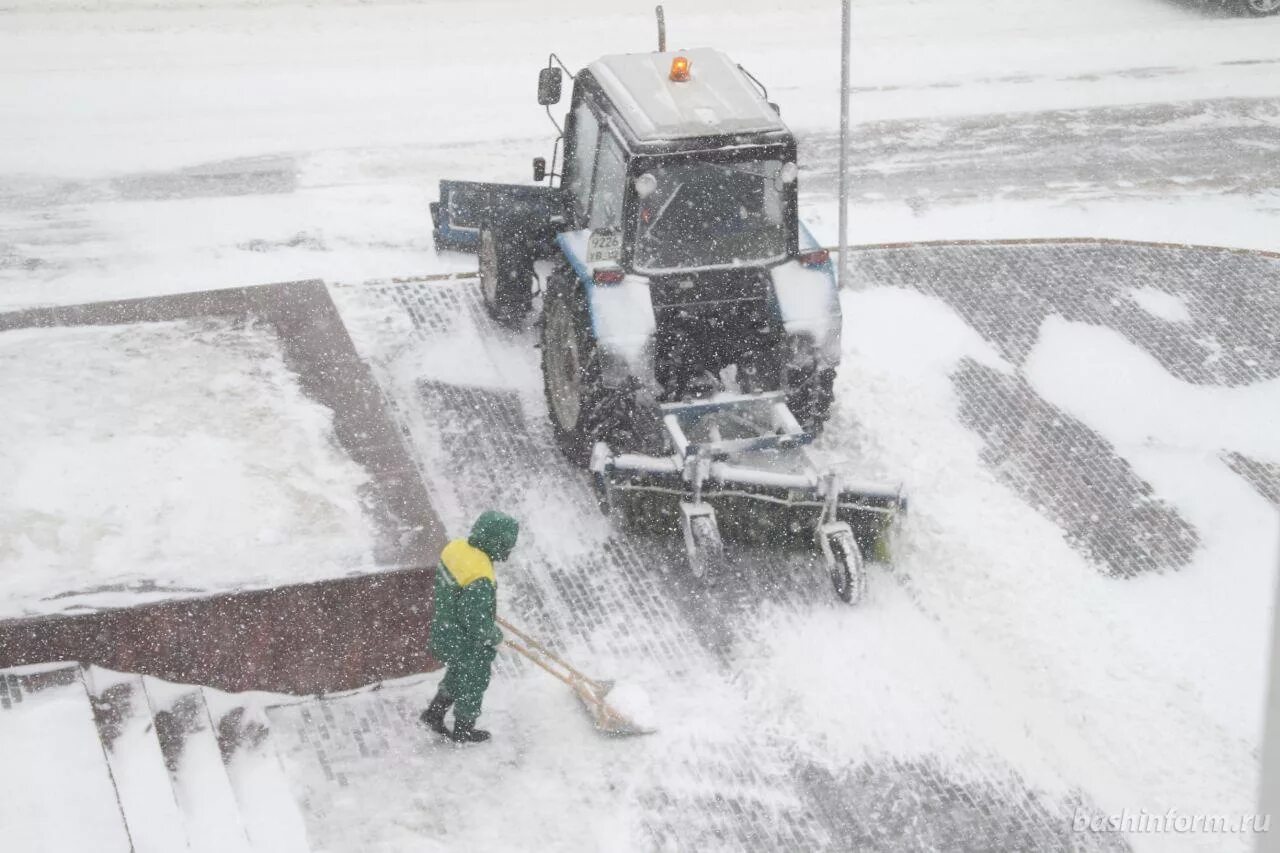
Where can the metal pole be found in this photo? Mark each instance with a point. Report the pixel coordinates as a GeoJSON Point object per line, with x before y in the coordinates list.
{"type": "Point", "coordinates": [845, 16]}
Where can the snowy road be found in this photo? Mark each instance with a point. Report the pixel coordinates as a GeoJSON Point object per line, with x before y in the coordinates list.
{"type": "Point", "coordinates": [1143, 152]}
{"type": "Point", "coordinates": [1205, 171]}
{"type": "Point", "coordinates": [146, 151]}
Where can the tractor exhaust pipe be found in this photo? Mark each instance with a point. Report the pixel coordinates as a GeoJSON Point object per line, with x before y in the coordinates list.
{"type": "Point", "coordinates": [662, 29]}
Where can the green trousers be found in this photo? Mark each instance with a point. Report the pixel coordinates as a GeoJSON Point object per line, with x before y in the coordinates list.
{"type": "Point", "coordinates": [466, 678]}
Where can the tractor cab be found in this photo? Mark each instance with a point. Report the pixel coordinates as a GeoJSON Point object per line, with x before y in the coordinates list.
{"type": "Point", "coordinates": [679, 164]}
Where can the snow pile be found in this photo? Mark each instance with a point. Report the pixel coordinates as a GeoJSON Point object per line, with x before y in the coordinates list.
{"type": "Point", "coordinates": [632, 702]}
{"type": "Point", "coordinates": [161, 458]}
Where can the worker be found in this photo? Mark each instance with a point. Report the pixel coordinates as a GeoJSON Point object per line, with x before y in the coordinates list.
{"type": "Point", "coordinates": [464, 633]}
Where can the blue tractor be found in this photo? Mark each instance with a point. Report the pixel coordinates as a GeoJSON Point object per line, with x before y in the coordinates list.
{"type": "Point", "coordinates": [690, 324]}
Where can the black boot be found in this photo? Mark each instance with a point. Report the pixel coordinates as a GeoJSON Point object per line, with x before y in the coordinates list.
{"type": "Point", "coordinates": [464, 731]}
{"type": "Point", "coordinates": [433, 717]}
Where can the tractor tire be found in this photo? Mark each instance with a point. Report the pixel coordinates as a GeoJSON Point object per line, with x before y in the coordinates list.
{"type": "Point", "coordinates": [707, 560]}
{"type": "Point", "coordinates": [506, 273]}
{"type": "Point", "coordinates": [583, 409]}
{"type": "Point", "coordinates": [810, 394]}
{"type": "Point", "coordinates": [849, 574]}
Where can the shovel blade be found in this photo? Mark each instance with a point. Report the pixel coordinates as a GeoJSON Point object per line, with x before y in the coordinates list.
{"type": "Point", "coordinates": [604, 716]}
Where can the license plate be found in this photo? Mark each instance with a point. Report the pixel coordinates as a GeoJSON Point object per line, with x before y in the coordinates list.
{"type": "Point", "coordinates": [604, 246]}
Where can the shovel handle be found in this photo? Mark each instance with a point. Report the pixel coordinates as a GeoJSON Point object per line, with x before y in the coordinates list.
{"type": "Point", "coordinates": [547, 653]}
{"type": "Point", "coordinates": [538, 660]}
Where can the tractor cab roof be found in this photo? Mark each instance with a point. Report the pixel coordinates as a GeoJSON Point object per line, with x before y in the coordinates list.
{"type": "Point", "coordinates": [717, 99]}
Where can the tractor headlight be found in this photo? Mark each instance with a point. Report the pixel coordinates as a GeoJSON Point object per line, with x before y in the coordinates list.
{"type": "Point", "coordinates": [786, 175]}
{"type": "Point", "coordinates": [646, 184]}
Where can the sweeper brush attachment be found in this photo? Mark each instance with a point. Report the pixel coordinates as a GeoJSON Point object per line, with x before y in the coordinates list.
{"type": "Point", "coordinates": [736, 456]}
{"type": "Point", "coordinates": [592, 692]}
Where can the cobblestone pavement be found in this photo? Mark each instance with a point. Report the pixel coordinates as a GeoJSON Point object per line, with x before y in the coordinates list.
{"type": "Point", "coordinates": [1075, 476]}
{"type": "Point", "coordinates": [719, 776]}
{"type": "Point", "coordinates": [1263, 476]}
{"type": "Point", "coordinates": [1005, 292]}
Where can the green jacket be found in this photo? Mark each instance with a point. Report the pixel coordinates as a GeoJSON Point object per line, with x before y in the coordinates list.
{"type": "Point", "coordinates": [466, 590]}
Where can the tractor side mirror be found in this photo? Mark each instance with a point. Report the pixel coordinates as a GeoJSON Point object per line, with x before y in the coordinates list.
{"type": "Point", "coordinates": [539, 168]}
{"type": "Point", "coordinates": [549, 86]}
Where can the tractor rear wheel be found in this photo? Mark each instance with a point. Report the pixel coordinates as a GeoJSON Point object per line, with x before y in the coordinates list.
{"type": "Point", "coordinates": [583, 409]}
{"type": "Point", "coordinates": [506, 272]}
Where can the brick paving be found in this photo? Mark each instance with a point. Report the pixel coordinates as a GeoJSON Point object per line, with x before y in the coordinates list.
{"type": "Point", "coordinates": [1006, 291]}
{"type": "Point", "coordinates": [1263, 476]}
{"type": "Point", "coordinates": [355, 759]}
{"type": "Point", "coordinates": [1072, 474]}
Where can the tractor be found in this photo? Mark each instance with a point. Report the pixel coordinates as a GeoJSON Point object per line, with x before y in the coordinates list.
{"type": "Point", "coordinates": [690, 324]}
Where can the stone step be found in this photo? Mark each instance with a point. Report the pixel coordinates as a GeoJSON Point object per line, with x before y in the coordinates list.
{"type": "Point", "coordinates": [267, 807]}
{"type": "Point", "coordinates": [200, 782]}
{"type": "Point", "coordinates": [57, 792]}
{"type": "Point", "coordinates": [128, 735]}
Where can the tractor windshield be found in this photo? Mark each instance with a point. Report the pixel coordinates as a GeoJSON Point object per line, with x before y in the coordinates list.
{"type": "Point", "coordinates": [703, 214]}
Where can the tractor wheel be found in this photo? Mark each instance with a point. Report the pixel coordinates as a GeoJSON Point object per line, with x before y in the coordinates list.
{"type": "Point", "coordinates": [706, 559]}
{"type": "Point", "coordinates": [849, 574]}
{"type": "Point", "coordinates": [810, 394]}
{"type": "Point", "coordinates": [583, 409]}
{"type": "Point", "coordinates": [506, 273]}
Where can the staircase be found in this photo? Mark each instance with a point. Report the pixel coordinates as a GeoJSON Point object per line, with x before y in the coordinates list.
{"type": "Point", "coordinates": [92, 759]}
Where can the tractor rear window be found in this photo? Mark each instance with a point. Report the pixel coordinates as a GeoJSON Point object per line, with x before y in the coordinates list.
{"type": "Point", "coordinates": [711, 214]}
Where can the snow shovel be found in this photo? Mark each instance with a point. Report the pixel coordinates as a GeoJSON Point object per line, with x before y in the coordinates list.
{"type": "Point", "coordinates": [591, 691]}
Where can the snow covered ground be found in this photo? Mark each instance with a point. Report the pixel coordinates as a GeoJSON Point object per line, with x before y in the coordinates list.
{"type": "Point", "coordinates": [995, 669]}
{"type": "Point", "coordinates": [158, 459]}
